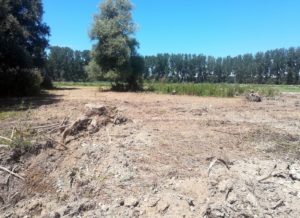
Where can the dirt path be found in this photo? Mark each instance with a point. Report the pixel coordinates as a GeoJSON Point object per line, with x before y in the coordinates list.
{"type": "Point", "coordinates": [157, 163]}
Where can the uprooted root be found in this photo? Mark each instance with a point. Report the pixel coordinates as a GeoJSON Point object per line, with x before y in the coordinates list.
{"type": "Point", "coordinates": [93, 118]}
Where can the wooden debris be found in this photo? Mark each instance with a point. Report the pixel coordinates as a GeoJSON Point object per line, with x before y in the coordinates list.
{"type": "Point", "coordinates": [214, 161]}
{"type": "Point", "coordinates": [269, 175]}
{"type": "Point", "coordinates": [253, 97]}
{"type": "Point", "coordinates": [12, 173]}
{"type": "Point", "coordinates": [5, 138]}
{"type": "Point", "coordinates": [46, 126]}
{"type": "Point", "coordinates": [93, 118]}
{"type": "Point", "coordinates": [279, 204]}
{"type": "Point", "coordinates": [12, 133]}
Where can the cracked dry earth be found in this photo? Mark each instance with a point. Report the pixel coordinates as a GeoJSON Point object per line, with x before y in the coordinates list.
{"type": "Point", "coordinates": [177, 156]}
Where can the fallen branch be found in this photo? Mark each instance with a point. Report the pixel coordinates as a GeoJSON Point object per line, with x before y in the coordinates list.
{"type": "Point", "coordinates": [12, 133]}
{"type": "Point", "coordinates": [280, 204]}
{"type": "Point", "coordinates": [46, 126]}
{"type": "Point", "coordinates": [214, 161]}
{"type": "Point", "coordinates": [269, 175]}
{"type": "Point", "coordinates": [7, 139]}
{"type": "Point", "coordinates": [228, 192]}
{"type": "Point", "coordinates": [7, 180]}
{"type": "Point", "coordinates": [4, 146]}
{"type": "Point", "coordinates": [57, 128]}
{"type": "Point", "coordinates": [12, 173]}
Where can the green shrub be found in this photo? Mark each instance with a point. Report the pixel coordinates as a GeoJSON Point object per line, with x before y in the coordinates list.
{"type": "Point", "coordinates": [20, 82]}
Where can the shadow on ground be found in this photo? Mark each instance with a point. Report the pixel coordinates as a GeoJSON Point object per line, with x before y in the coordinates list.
{"type": "Point", "coordinates": [25, 103]}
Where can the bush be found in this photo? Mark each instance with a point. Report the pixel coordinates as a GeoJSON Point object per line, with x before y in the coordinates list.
{"type": "Point", "coordinates": [20, 82]}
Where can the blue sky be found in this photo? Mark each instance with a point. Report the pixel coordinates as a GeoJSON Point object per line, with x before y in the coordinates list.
{"type": "Point", "coordinates": [210, 27]}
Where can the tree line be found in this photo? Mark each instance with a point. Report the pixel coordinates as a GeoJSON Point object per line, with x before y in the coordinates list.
{"type": "Point", "coordinates": [279, 66]}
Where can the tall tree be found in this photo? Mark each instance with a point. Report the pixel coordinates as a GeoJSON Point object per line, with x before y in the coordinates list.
{"type": "Point", "coordinates": [65, 64]}
{"type": "Point", "coordinates": [23, 39]}
{"type": "Point", "coordinates": [115, 50]}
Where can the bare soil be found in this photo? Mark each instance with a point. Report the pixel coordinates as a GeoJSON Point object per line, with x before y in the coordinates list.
{"type": "Point", "coordinates": [176, 156]}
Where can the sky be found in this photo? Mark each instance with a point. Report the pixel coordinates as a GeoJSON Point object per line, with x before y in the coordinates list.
{"type": "Point", "coordinates": [209, 27]}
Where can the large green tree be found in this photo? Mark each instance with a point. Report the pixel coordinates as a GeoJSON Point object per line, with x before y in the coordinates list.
{"type": "Point", "coordinates": [65, 64]}
{"type": "Point", "coordinates": [23, 39]}
{"type": "Point", "coordinates": [115, 48]}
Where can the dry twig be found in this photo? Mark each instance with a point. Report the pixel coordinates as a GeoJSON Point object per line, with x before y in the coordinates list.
{"type": "Point", "coordinates": [12, 173]}
{"type": "Point", "coordinates": [12, 133]}
{"type": "Point", "coordinates": [46, 126]}
{"type": "Point", "coordinates": [214, 161]}
{"type": "Point", "coordinates": [5, 138]}
{"type": "Point", "coordinates": [269, 175]}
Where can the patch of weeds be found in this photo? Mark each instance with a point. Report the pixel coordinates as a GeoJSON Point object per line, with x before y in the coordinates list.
{"type": "Point", "coordinates": [210, 89]}
{"type": "Point", "coordinates": [8, 114]}
{"type": "Point", "coordinates": [20, 141]}
{"type": "Point", "coordinates": [15, 111]}
{"type": "Point", "coordinates": [274, 141]}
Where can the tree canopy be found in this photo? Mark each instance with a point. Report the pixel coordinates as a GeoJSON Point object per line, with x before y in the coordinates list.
{"type": "Point", "coordinates": [115, 48]}
{"type": "Point", "coordinates": [66, 64]}
{"type": "Point", "coordinates": [23, 39]}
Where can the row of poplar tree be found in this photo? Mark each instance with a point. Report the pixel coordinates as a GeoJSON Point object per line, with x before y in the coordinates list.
{"type": "Point", "coordinates": [279, 66]}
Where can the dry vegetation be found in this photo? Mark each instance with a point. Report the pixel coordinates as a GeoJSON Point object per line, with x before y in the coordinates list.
{"type": "Point", "coordinates": [167, 155]}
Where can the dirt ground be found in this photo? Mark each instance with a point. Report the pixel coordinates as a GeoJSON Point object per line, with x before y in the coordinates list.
{"type": "Point", "coordinates": [176, 156]}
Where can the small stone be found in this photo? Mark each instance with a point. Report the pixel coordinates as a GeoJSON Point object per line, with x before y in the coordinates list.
{"type": "Point", "coordinates": [104, 208]}
{"type": "Point", "coordinates": [120, 202]}
{"type": "Point", "coordinates": [55, 215]}
{"type": "Point", "coordinates": [295, 172]}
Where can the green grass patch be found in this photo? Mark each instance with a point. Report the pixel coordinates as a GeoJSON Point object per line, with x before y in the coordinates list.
{"type": "Point", "coordinates": [8, 114]}
{"type": "Point", "coordinates": [210, 89]}
{"type": "Point", "coordinates": [82, 84]}
{"type": "Point", "coordinates": [287, 88]}
{"type": "Point", "coordinates": [196, 89]}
